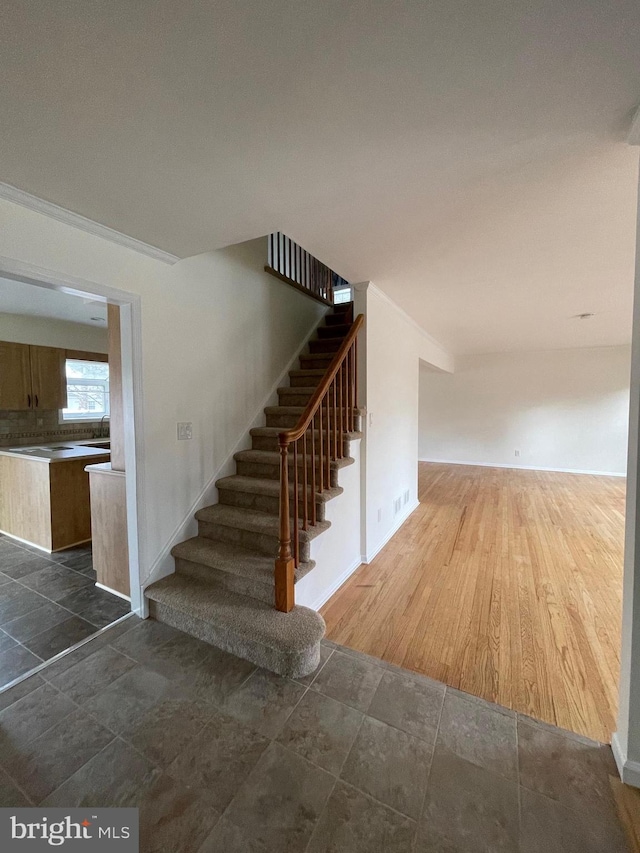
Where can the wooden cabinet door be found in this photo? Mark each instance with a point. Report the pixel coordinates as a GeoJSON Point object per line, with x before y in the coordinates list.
{"type": "Point", "coordinates": [48, 380]}
{"type": "Point", "coordinates": [15, 377]}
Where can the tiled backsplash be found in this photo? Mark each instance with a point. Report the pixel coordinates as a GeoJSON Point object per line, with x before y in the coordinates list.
{"type": "Point", "coordinates": [21, 429]}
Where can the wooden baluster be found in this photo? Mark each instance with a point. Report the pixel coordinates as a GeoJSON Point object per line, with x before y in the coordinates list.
{"type": "Point", "coordinates": [352, 390]}
{"type": "Point", "coordinates": [349, 386]}
{"type": "Point", "coordinates": [285, 564]}
{"type": "Point", "coordinates": [313, 470]}
{"type": "Point", "coordinates": [328, 442]}
{"type": "Point", "coordinates": [334, 425]}
{"type": "Point", "coordinates": [296, 534]}
{"type": "Point", "coordinates": [305, 495]}
{"type": "Point", "coordinates": [321, 444]}
{"type": "Point", "coordinates": [355, 378]}
{"type": "Point", "coordinates": [340, 380]}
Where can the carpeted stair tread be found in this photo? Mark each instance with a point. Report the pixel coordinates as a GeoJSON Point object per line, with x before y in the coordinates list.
{"type": "Point", "coordinates": [232, 559]}
{"type": "Point", "coordinates": [237, 621]}
{"type": "Point", "coordinates": [264, 486]}
{"type": "Point", "coordinates": [272, 457]}
{"type": "Point", "coordinates": [307, 390]}
{"type": "Point", "coordinates": [253, 521]}
{"type": "Point", "coordinates": [309, 371]}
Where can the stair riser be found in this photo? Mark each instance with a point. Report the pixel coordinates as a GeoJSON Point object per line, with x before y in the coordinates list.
{"type": "Point", "coordinates": [246, 539]}
{"type": "Point", "coordinates": [294, 665]}
{"type": "Point", "coordinates": [335, 331]}
{"type": "Point", "coordinates": [313, 362]}
{"type": "Point", "coordinates": [234, 583]}
{"type": "Point", "coordinates": [328, 345]}
{"type": "Point", "coordinates": [272, 472]}
{"type": "Point", "coordinates": [337, 319]}
{"type": "Point", "coordinates": [304, 381]}
{"type": "Point", "coordinates": [262, 503]}
{"type": "Point", "coordinates": [291, 398]}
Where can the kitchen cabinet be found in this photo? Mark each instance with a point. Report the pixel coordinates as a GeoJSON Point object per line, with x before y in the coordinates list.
{"type": "Point", "coordinates": [32, 377]}
{"type": "Point", "coordinates": [44, 497]}
{"type": "Point", "coordinates": [15, 376]}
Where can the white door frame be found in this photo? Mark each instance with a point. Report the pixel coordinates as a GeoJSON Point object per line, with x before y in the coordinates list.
{"type": "Point", "coordinates": [131, 345]}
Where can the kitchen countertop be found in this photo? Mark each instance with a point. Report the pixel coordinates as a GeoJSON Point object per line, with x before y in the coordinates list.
{"type": "Point", "coordinates": [59, 451]}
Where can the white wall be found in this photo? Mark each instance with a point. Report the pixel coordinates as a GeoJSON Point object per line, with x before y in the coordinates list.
{"type": "Point", "coordinates": [337, 551]}
{"type": "Point", "coordinates": [46, 332]}
{"type": "Point", "coordinates": [562, 409]}
{"type": "Point", "coordinates": [217, 333]}
{"type": "Point", "coordinates": [394, 347]}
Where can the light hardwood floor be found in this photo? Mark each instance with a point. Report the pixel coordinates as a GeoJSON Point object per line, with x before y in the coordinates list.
{"type": "Point", "coordinates": [506, 584]}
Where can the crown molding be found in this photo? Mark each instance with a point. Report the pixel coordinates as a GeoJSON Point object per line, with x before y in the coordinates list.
{"type": "Point", "coordinates": [634, 133]}
{"type": "Point", "coordinates": [76, 220]}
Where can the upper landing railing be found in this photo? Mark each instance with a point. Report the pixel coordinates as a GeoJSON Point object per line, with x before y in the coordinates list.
{"type": "Point", "coordinates": [291, 263]}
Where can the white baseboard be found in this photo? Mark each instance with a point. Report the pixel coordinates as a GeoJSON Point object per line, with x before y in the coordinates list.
{"type": "Point", "coordinates": [367, 558]}
{"type": "Point", "coordinates": [629, 770]}
{"type": "Point", "coordinates": [526, 467]}
{"type": "Point", "coordinates": [163, 565]}
{"type": "Point", "coordinates": [335, 586]}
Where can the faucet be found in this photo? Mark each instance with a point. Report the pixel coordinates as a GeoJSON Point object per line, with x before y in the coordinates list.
{"type": "Point", "coordinates": [102, 432]}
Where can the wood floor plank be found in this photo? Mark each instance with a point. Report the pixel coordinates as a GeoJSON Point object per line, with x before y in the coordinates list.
{"type": "Point", "coordinates": [505, 583]}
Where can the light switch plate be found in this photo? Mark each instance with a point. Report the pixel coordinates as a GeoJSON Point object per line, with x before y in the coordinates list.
{"type": "Point", "coordinates": [185, 431]}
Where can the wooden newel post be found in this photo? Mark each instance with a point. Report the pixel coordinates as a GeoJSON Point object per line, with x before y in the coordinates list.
{"type": "Point", "coordinates": [285, 566]}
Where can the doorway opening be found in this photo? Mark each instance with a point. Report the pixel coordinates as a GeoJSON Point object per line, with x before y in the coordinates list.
{"type": "Point", "coordinates": [68, 513]}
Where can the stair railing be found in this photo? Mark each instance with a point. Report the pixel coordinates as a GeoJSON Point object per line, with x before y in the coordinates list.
{"type": "Point", "coordinates": [316, 441]}
{"type": "Point", "coordinates": [291, 263]}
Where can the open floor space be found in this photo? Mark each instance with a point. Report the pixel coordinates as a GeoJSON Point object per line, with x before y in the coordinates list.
{"type": "Point", "coordinates": [48, 603]}
{"type": "Point", "coordinates": [506, 584]}
{"type": "Point", "coordinates": [361, 756]}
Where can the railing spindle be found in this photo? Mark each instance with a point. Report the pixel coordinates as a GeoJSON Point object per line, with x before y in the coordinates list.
{"type": "Point", "coordinates": [321, 443]}
{"type": "Point", "coordinates": [296, 536]}
{"type": "Point", "coordinates": [340, 379]}
{"type": "Point", "coordinates": [328, 442]}
{"type": "Point", "coordinates": [285, 563]}
{"type": "Point", "coordinates": [334, 431]}
{"type": "Point", "coordinates": [313, 470]}
{"type": "Point", "coordinates": [305, 496]}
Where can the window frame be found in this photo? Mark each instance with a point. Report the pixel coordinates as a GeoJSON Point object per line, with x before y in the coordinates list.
{"type": "Point", "coordinates": [91, 418]}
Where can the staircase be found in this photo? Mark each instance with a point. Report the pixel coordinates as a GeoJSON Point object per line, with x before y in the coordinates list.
{"type": "Point", "coordinates": [223, 588]}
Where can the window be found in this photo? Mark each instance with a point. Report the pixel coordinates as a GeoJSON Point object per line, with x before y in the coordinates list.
{"type": "Point", "coordinates": [87, 390]}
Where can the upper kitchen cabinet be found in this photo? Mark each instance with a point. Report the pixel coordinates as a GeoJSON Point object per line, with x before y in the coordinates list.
{"type": "Point", "coordinates": [32, 377]}
{"type": "Point", "coordinates": [15, 376]}
{"type": "Point", "coordinates": [48, 381]}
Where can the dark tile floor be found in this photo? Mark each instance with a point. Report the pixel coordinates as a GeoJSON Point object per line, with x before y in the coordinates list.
{"type": "Point", "coordinates": [362, 757]}
{"type": "Point", "coordinates": [48, 602]}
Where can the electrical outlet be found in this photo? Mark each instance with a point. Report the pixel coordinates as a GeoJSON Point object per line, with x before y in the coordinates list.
{"type": "Point", "coordinates": [517, 453]}
{"type": "Point", "coordinates": [397, 505]}
{"type": "Point", "coordinates": [380, 515]}
{"type": "Point", "coordinates": [185, 431]}
{"type": "Point", "coordinates": [407, 495]}
{"type": "Point", "coordinates": [370, 418]}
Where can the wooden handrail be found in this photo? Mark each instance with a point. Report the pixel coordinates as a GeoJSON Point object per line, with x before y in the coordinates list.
{"type": "Point", "coordinates": [329, 416]}
{"type": "Point", "coordinates": [291, 435]}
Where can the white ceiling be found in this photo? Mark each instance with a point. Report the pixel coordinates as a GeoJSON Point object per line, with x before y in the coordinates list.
{"type": "Point", "coordinates": [35, 301]}
{"type": "Point", "coordinates": [468, 157]}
